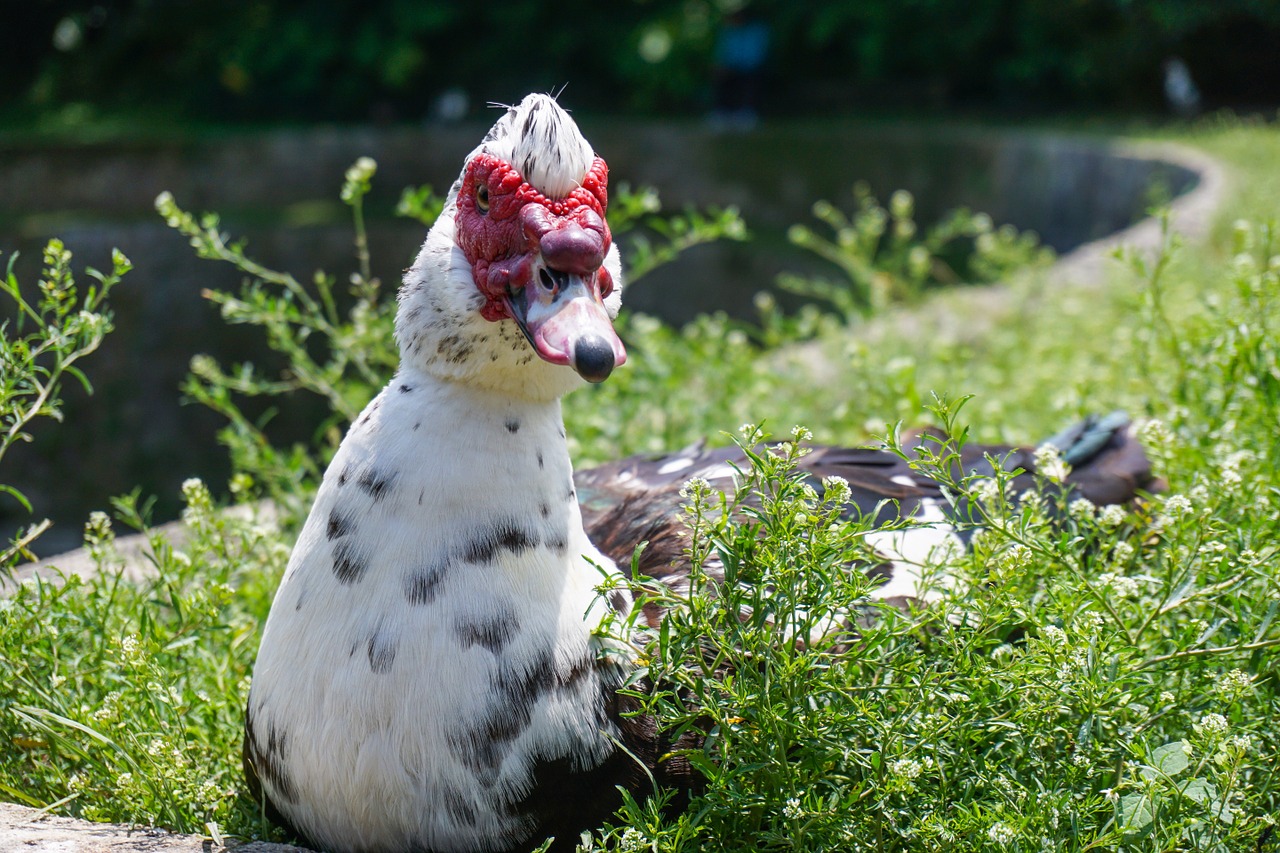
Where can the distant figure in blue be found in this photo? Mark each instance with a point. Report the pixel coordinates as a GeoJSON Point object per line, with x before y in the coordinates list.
{"type": "Point", "coordinates": [742, 46]}
{"type": "Point", "coordinates": [1180, 91]}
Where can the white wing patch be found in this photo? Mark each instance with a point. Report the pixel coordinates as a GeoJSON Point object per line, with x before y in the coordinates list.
{"type": "Point", "coordinates": [677, 464]}
{"type": "Point", "coordinates": [930, 540]}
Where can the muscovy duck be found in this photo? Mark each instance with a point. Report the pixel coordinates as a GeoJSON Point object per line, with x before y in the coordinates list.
{"type": "Point", "coordinates": [427, 678]}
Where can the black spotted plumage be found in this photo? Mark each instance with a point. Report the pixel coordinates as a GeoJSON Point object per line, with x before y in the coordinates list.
{"type": "Point", "coordinates": [349, 564]}
{"type": "Point", "coordinates": [492, 631]}
{"type": "Point", "coordinates": [382, 649]}
{"type": "Point", "coordinates": [422, 582]}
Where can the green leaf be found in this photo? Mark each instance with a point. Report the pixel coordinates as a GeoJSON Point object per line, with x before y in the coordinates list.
{"type": "Point", "coordinates": [1167, 760]}
{"type": "Point", "coordinates": [19, 496]}
{"type": "Point", "coordinates": [1135, 812]}
{"type": "Point", "coordinates": [1200, 790]}
{"type": "Point", "coordinates": [1266, 621]}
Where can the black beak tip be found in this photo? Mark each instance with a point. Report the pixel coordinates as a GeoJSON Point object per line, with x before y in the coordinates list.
{"type": "Point", "coordinates": [593, 359]}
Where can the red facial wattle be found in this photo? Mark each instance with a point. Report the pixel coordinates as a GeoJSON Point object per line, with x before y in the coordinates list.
{"type": "Point", "coordinates": [540, 261]}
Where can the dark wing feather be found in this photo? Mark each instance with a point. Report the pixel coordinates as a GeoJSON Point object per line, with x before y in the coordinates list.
{"type": "Point", "coordinates": [638, 500]}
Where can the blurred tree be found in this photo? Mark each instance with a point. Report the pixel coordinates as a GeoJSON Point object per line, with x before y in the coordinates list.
{"type": "Point", "coordinates": [339, 59]}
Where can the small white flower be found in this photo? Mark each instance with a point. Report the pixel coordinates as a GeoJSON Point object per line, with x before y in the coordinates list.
{"type": "Point", "coordinates": [1155, 435]}
{"type": "Point", "coordinates": [98, 525]}
{"type": "Point", "coordinates": [1239, 743]}
{"type": "Point", "coordinates": [907, 768]}
{"type": "Point", "coordinates": [1212, 726]}
{"type": "Point", "coordinates": [836, 490]}
{"type": "Point", "coordinates": [1176, 506]}
{"type": "Point", "coordinates": [1049, 463]}
{"type": "Point", "coordinates": [800, 433]}
{"type": "Point", "coordinates": [1081, 509]}
{"type": "Point", "coordinates": [695, 488]}
{"type": "Point", "coordinates": [1122, 552]}
{"type": "Point", "coordinates": [1015, 557]}
{"type": "Point", "coordinates": [1111, 516]}
{"type": "Point", "coordinates": [1167, 697]}
{"type": "Point", "coordinates": [1235, 683]}
{"type": "Point", "coordinates": [1124, 587]}
{"type": "Point", "coordinates": [988, 491]}
{"type": "Point", "coordinates": [791, 810]}
{"type": "Point", "coordinates": [1032, 501]}
{"type": "Point", "coordinates": [632, 840]}
{"type": "Point", "coordinates": [1001, 833]}
{"type": "Point", "coordinates": [1087, 622]}
{"type": "Point", "coordinates": [1053, 636]}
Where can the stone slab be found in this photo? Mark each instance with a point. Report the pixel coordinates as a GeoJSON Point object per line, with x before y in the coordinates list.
{"type": "Point", "coordinates": [24, 830]}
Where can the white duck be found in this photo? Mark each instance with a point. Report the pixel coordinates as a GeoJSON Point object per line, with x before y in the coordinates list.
{"type": "Point", "coordinates": [427, 678]}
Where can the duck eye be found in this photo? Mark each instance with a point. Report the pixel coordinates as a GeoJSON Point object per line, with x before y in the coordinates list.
{"type": "Point", "coordinates": [482, 198]}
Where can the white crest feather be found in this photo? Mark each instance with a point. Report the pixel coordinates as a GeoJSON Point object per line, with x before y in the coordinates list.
{"type": "Point", "coordinates": [540, 139]}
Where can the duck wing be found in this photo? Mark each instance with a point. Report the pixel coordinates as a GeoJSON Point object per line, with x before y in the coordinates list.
{"type": "Point", "coordinates": [638, 499]}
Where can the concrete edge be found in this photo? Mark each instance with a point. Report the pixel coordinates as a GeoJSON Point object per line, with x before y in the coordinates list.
{"type": "Point", "coordinates": [971, 313]}
{"type": "Point", "coordinates": [34, 831]}
{"type": "Point", "coordinates": [1191, 214]}
{"type": "Point", "coordinates": [132, 550]}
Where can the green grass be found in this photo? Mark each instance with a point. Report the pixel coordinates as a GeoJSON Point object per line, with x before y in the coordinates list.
{"type": "Point", "coordinates": [1104, 683]}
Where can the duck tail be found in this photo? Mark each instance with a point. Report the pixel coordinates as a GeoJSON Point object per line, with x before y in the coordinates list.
{"type": "Point", "coordinates": [1108, 463]}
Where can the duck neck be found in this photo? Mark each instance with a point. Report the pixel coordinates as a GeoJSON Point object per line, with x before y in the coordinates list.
{"type": "Point", "coordinates": [502, 463]}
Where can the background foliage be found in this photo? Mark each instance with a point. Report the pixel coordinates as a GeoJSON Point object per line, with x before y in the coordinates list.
{"type": "Point", "coordinates": [327, 59]}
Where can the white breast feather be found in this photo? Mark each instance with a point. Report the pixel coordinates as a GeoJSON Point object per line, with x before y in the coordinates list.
{"type": "Point", "coordinates": [393, 735]}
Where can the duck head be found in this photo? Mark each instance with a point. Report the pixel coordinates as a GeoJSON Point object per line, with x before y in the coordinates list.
{"type": "Point", "coordinates": [518, 282]}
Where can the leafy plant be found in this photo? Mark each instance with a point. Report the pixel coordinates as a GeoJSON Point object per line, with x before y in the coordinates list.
{"type": "Point", "coordinates": [284, 60]}
{"type": "Point", "coordinates": [883, 259]}
{"type": "Point", "coordinates": [41, 344]}
{"type": "Point", "coordinates": [126, 701]}
{"type": "Point", "coordinates": [654, 238]}
{"type": "Point", "coordinates": [1012, 712]}
{"type": "Point", "coordinates": [343, 356]}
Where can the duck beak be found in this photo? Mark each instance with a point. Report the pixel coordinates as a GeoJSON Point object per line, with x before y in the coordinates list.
{"type": "Point", "coordinates": [563, 316]}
